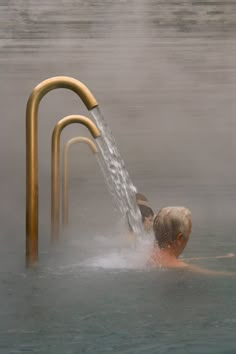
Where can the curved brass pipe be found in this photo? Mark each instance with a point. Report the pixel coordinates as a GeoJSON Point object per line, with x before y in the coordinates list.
{"type": "Point", "coordinates": [94, 149]}
{"type": "Point", "coordinates": [32, 152]}
{"type": "Point", "coordinates": [55, 196]}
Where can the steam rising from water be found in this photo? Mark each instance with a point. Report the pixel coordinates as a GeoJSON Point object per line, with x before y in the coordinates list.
{"type": "Point", "coordinates": [118, 260]}
{"type": "Point", "coordinates": [172, 63]}
{"type": "Point", "coordinates": [124, 258]}
{"type": "Point", "coordinates": [112, 252]}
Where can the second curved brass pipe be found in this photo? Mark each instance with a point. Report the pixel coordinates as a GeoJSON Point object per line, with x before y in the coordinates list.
{"type": "Point", "coordinates": [55, 168]}
{"type": "Point", "coordinates": [94, 149]}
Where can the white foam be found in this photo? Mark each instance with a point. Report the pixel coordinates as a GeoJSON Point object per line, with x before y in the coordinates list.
{"type": "Point", "coordinates": [135, 258]}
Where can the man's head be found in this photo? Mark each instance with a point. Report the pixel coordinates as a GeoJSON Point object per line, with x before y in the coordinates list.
{"type": "Point", "coordinates": [172, 227]}
{"type": "Point", "coordinates": [147, 217]}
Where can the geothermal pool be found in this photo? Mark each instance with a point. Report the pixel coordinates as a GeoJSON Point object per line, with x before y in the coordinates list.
{"type": "Point", "coordinates": [93, 294]}
{"type": "Point", "coordinates": [164, 76]}
{"type": "Point", "coordinates": [89, 309]}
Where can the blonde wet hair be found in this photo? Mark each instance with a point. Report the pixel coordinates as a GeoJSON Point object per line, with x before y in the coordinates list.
{"type": "Point", "coordinates": [169, 222]}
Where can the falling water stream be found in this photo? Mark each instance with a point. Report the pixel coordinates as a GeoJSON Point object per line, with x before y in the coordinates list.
{"type": "Point", "coordinates": [108, 179]}
{"type": "Point", "coordinates": [117, 177]}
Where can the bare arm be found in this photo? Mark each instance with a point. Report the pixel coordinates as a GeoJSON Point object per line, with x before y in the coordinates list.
{"type": "Point", "coordinates": [179, 264]}
{"type": "Point", "coordinates": [228, 255]}
{"type": "Point", "coordinates": [205, 271]}
{"type": "Point", "coordinates": [200, 270]}
{"type": "Point", "coordinates": [175, 263]}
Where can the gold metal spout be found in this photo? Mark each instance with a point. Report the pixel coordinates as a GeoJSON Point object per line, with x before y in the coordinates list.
{"type": "Point", "coordinates": [32, 152]}
{"type": "Point", "coordinates": [55, 196]}
{"type": "Point", "coordinates": [65, 193]}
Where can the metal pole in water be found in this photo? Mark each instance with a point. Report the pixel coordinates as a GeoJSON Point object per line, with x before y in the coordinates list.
{"type": "Point", "coordinates": [65, 193]}
{"type": "Point", "coordinates": [55, 167]}
{"type": "Point", "coordinates": [32, 152]}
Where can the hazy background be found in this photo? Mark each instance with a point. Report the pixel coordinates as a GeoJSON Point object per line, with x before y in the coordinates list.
{"type": "Point", "coordinates": [164, 75]}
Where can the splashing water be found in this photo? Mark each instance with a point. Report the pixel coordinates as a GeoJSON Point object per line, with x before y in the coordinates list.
{"type": "Point", "coordinates": [118, 180]}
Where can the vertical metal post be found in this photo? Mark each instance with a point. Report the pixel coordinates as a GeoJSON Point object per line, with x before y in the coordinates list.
{"type": "Point", "coordinates": [55, 168]}
{"type": "Point", "coordinates": [32, 153]}
{"type": "Point", "coordinates": [65, 178]}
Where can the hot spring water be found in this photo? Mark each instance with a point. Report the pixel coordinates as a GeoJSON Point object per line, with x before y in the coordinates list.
{"type": "Point", "coordinates": [177, 58]}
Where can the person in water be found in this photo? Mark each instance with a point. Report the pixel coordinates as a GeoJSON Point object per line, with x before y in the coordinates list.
{"type": "Point", "coordinates": [141, 199]}
{"type": "Point", "coordinates": [146, 211]}
{"type": "Point", "coordinates": [172, 228]}
{"type": "Point", "coordinates": [147, 217]}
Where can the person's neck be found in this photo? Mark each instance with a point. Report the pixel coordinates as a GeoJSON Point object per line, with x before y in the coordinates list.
{"type": "Point", "coordinates": [167, 257]}
{"type": "Point", "coordinates": [167, 253]}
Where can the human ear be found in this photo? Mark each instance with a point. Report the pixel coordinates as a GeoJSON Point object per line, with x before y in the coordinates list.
{"type": "Point", "coordinates": [179, 237]}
